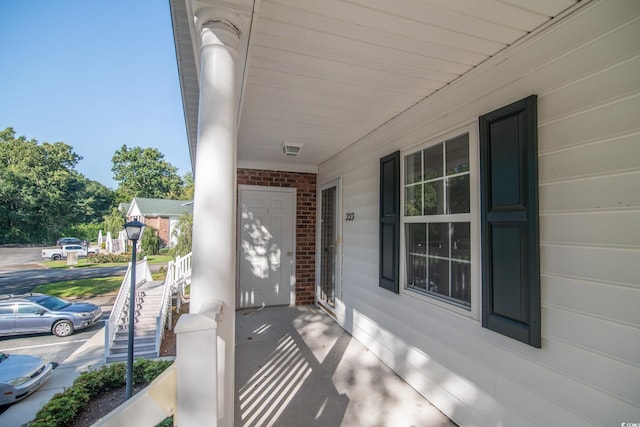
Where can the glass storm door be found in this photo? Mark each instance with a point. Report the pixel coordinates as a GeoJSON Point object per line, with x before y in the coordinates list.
{"type": "Point", "coordinates": [328, 247]}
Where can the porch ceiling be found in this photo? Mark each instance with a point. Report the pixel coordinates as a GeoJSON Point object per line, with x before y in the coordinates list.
{"type": "Point", "coordinates": [324, 74]}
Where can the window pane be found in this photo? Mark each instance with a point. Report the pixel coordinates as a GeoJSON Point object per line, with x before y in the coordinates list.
{"type": "Point", "coordinates": [458, 155]}
{"type": "Point", "coordinates": [461, 240]}
{"type": "Point", "coordinates": [434, 198]}
{"type": "Point", "coordinates": [461, 281]}
{"type": "Point", "coordinates": [413, 168]}
{"type": "Point", "coordinates": [433, 162]}
{"type": "Point", "coordinates": [28, 308]}
{"type": "Point", "coordinates": [439, 276]}
{"type": "Point", "coordinates": [439, 239]}
{"type": "Point", "coordinates": [416, 237]}
{"type": "Point", "coordinates": [413, 200]}
{"type": "Point", "coordinates": [438, 254]}
{"type": "Point", "coordinates": [417, 271]}
{"type": "Point", "coordinates": [458, 194]}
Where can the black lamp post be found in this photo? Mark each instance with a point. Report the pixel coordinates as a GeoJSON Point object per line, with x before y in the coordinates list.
{"type": "Point", "coordinates": [133, 229]}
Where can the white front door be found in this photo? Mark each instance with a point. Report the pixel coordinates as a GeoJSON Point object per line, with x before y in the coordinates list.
{"type": "Point", "coordinates": [266, 241]}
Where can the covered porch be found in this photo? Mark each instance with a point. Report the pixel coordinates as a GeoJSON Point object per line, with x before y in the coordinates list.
{"type": "Point", "coordinates": [350, 83]}
{"type": "Point", "coordinates": [295, 366]}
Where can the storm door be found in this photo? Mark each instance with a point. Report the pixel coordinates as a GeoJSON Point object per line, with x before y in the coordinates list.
{"type": "Point", "coordinates": [328, 282]}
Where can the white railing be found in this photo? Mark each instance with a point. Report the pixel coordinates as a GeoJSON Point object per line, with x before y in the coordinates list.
{"type": "Point", "coordinates": [143, 274]}
{"type": "Point", "coordinates": [179, 276]}
{"type": "Point", "coordinates": [165, 312]}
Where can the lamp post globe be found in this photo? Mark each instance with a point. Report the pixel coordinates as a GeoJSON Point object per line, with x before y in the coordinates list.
{"type": "Point", "coordinates": [133, 229]}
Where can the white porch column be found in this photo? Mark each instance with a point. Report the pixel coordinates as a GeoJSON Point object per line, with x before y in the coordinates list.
{"type": "Point", "coordinates": [214, 233]}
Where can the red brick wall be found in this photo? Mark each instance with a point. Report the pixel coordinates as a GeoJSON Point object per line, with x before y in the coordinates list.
{"type": "Point", "coordinates": [161, 224]}
{"type": "Point", "coordinates": [305, 183]}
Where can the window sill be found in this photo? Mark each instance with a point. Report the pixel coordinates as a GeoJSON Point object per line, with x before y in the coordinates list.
{"type": "Point", "coordinates": [460, 309]}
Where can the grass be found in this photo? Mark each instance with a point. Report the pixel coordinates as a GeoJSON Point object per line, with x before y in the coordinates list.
{"type": "Point", "coordinates": [86, 262]}
{"type": "Point", "coordinates": [81, 288]}
{"type": "Point", "coordinates": [87, 288]}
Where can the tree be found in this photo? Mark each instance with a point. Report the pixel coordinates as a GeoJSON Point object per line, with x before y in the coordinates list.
{"type": "Point", "coordinates": [188, 188]}
{"type": "Point", "coordinates": [39, 189]}
{"type": "Point", "coordinates": [95, 201]}
{"type": "Point", "coordinates": [183, 232]}
{"type": "Point", "coordinates": [150, 241]}
{"type": "Point", "coordinates": [143, 172]}
{"type": "Point", "coordinates": [114, 222]}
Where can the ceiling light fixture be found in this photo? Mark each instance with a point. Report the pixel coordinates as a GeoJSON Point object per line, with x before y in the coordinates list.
{"type": "Point", "coordinates": [291, 149]}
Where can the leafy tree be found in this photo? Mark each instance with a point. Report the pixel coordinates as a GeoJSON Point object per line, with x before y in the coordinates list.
{"type": "Point", "coordinates": [183, 232]}
{"type": "Point", "coordinates": [188, 188]}
{"type": "Point", "coordinates": [95, 201]}
{"type": "Point", "coordinates": [85, 231]}
{"type": "Point", "coordinates": [150, 241]}
{"type": "Point", "coordinates": [113, 222]}
{"type": "Point", "coordinates": [39, 189]}
{"type": "Point", "coordinates": [143, 172]}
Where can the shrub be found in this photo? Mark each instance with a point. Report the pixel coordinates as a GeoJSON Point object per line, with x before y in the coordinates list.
{"type": "Point", "coordinates": [150, 241]}
{"type": "Point", "coordinates": [183, 231]}
{"type": "Point", "coordinates": [111, 258]}
{"type": "Point", "coordinates": [65, 406]}
{"type": "Point", "coordinates": [85, 231]}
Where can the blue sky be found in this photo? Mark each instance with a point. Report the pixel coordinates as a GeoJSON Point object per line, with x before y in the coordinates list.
{"type": "Point", "coordinates": [95, 75]}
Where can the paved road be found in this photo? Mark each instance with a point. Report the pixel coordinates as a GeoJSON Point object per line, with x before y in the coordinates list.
{"type": "Point", "coordinates": [13, 258]}
{"type": "Point", "coordinates": [20, 271]}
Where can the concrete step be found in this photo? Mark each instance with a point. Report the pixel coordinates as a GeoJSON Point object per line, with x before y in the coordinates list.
{"type": "Point", "coordinates": [137, 333]}
{"type": "Point", "coordinates": [138, 355]}
{"type": "Point", "coordinates": [147, 308]}
{"type": "Point", "coordinates": [146, 339]}
{"type": "Point", "coordinates": [136, 349]}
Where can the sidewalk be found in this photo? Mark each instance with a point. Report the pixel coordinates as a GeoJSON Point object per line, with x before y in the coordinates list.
{"type": "Point", "coordinates": [89, 355]}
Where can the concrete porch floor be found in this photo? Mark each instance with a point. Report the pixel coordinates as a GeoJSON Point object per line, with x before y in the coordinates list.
{"type": "Point", "coordinates": [295, 366]}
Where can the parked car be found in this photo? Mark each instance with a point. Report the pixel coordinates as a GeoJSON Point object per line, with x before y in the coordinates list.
{"type": "Point", "coordinates": [21, 375]}
{"type": "Point", "coordinates": [32, 313]}
{"type": "Point", "coordinates": [62, 252]}
{"type": "Point", "coordinates": [69, 241]}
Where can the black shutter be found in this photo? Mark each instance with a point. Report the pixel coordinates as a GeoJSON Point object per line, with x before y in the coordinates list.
{"type": "Point", "coordinates": [509, 221]}
{"type": "Point", "coordinates": [390, 222]}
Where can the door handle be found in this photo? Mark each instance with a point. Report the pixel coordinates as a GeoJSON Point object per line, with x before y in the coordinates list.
{"type": "Point", "coordinates": [289, 253]}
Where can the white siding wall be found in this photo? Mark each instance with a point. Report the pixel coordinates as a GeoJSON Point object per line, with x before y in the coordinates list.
{"type": "Point", "coordinates": [586, 73]}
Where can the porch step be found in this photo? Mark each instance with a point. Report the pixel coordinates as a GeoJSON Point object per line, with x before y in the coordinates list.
{"type": "Point", "coordinates": [137, 348]}
{"type": "Point", "coordinates": [136, 355]}
{"type": "Point", "coordinates": [147, 308]}
{"type": "Point", "coordinates": [138, 335]}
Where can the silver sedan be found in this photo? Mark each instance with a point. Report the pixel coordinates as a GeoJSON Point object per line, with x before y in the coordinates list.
{"type": "Point", "coordinates": [21, 375]}
{"type": "Point", "coordinates": [32, 313]}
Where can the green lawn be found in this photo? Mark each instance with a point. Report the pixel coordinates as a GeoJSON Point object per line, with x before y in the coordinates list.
{"type": "Point", "coordinates": [86, 262]}
{"type": "Point", "coordinates": [81, 288]}
{"type": "Point", "coordinates": [86, 288]}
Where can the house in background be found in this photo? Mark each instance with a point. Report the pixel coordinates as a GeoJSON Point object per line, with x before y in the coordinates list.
{"type": "Point", "coordinates": [163, 215]}
{"type": "Point", "coordinates": [456, 182]}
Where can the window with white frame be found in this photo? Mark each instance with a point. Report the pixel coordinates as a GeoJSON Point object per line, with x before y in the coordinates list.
{"type": "Point", "coordinates": [437, 220]}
